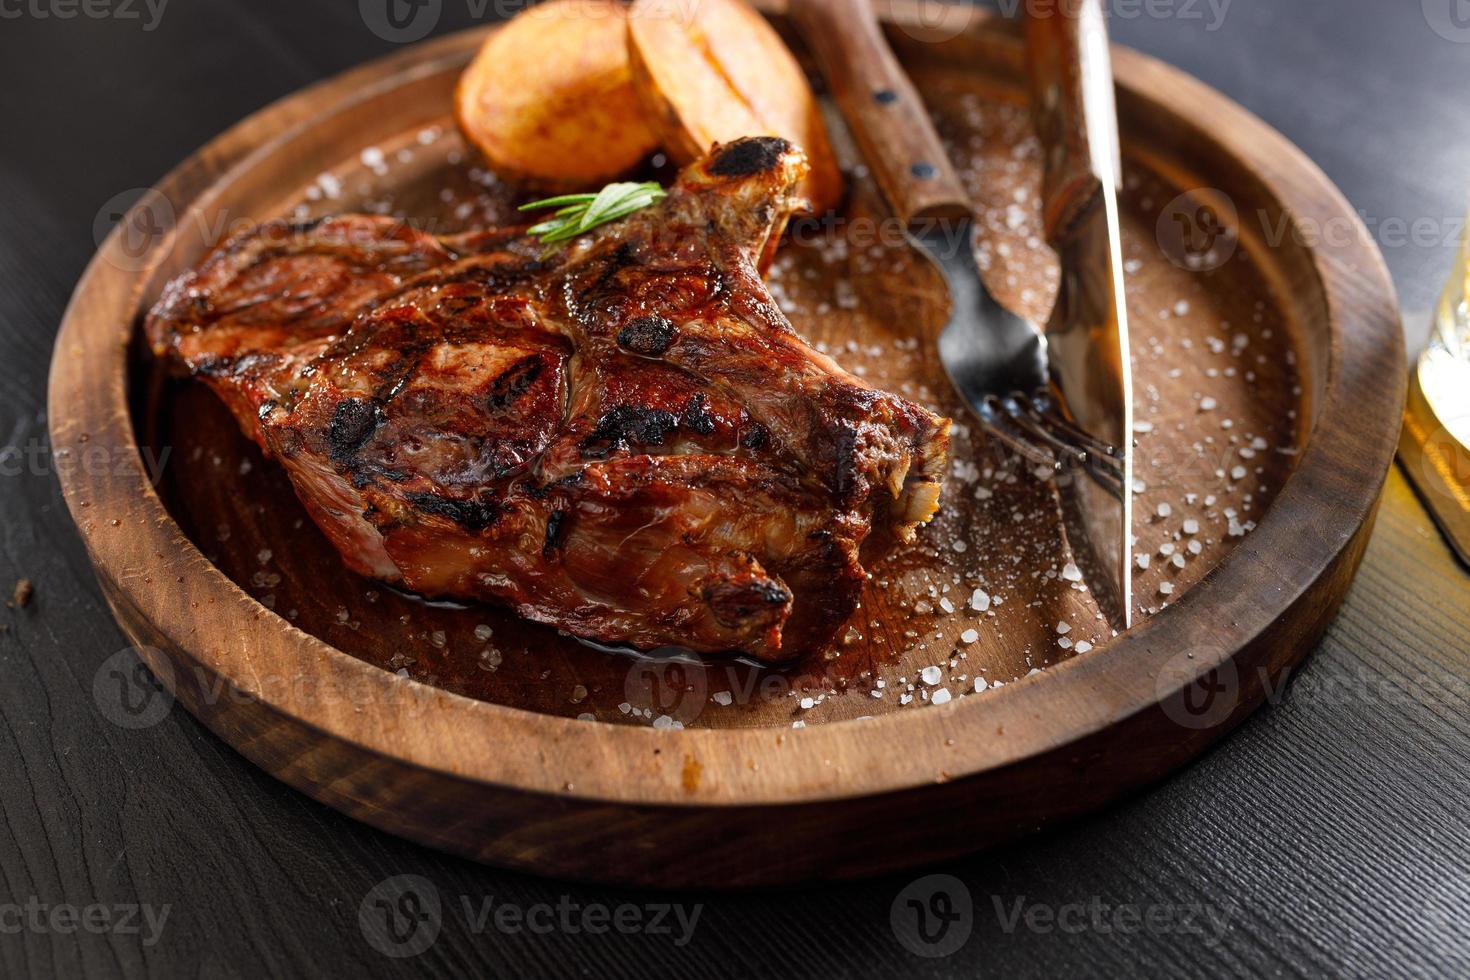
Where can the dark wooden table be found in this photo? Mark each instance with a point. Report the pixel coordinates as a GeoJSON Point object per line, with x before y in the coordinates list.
{"type": "Point", "coordinates": [1327, 837]}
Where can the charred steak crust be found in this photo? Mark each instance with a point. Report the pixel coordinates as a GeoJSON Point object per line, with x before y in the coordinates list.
{"type": "Point", "coordinates": [624, 438]}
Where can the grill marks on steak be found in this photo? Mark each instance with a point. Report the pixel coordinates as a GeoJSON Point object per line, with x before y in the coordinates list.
{"type": "Point", "coordinates": [623, 438]}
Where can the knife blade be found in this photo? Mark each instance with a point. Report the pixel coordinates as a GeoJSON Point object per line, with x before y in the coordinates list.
{"type": "Point", "coordinates": [1070, 73]}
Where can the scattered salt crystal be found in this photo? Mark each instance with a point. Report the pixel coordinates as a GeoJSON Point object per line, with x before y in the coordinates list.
{"type": "Point", "coordinates": [482, 632]}
{"type": "Point", "coordinates": [946, 605]}
{"type": "Point", "coordinates": [1166, 549]}
{"type": "Point", "coordinates": [1142, 560]}
{"type": "Point", "coordinates": [1071, 572]}
{"type": "Point", "coordinates": [1143, 427]}
{"type": "Point", "coordinates": [1063, 628]}
{"type": "Point", "coordinates": [1166, 588]}
{"type": "Point", "coordinates": [724, 698]}
{"type": "Point", "coordinates": [1181, 308]}
{"type": "Point", "coordinates": [1191, 526]}
{"type": "Point", "coordinates": [1178, 561]}
{"type": "Point", "coordinates": [1237, 473]}
{"type": "Point", "coordinates": [959, 545]}
{"type": "Point", "coordinates": [806, 703]}
{"type": "Point", "coordinates": [969, 636]}
{"type": "Point", "coordinates": [1165, 510]}
{"type": "Point", "coordinates": [664, 722]}
{"type": "Point", "coordinates": [1195, 547]}
{"type": "Point", "coordinates": [1207, 404]}
{"type": "Point", "coordinates": [941, 696]}
{"type": "Point", "coordinates": [1083, 646]}
{"type": "Point", "coordinates": [980, 600]}
{"type": "Point", "coordinates": [931, 675]}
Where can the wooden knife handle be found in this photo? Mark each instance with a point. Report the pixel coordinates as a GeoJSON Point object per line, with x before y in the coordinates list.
{"type": "Point", "coordinates": [884, 112]}
{"type": "Point", "coordinates": [1071, 80]}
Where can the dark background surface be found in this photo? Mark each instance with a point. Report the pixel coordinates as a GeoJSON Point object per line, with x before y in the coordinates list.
{"type": "Point", "coordinates": [1329, 833]}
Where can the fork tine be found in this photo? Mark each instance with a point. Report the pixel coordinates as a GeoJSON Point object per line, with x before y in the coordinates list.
{"type": "Point", "coordinates": [1050, 412]}
{"type": "Point", "coordinates": [1001, 425]}
{"type": "Point", "coordinates": [1037, 426]}
{"type": "Point", "coordinates": [1034, 428]}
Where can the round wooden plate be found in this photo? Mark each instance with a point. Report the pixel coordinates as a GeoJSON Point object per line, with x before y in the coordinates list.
{"type": "Point", "coordinates": [977, 693]}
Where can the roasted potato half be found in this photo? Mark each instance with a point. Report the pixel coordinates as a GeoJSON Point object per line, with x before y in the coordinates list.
{"type": "Point", "coordinates": [711, 71]}
{"type": "Point", "coordinates": [549, 100]}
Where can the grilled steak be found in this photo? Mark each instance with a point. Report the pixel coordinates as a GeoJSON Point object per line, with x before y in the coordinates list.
{"type": "Point", "coordinates": [622, 437]}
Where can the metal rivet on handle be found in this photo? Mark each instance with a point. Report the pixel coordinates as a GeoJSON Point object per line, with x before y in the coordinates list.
{"type": "Point", "coordinates": [885, 96]}
{"type": "Point", "coordinates": [924, 171]}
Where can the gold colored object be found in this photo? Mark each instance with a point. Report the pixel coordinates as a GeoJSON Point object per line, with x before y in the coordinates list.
{"type": "Point", "coordinates": [1435, 444]}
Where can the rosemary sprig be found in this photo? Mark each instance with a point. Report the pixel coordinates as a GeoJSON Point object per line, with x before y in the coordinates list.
{"type": "Point", "coordinates": [576, 213]}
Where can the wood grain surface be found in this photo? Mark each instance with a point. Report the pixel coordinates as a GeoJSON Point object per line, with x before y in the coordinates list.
{"type": "Point", "coordinates": [1331, 827]}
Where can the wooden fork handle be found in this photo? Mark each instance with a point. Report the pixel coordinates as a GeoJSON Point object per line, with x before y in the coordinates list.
{"type": "Point", "coordinates": [887, 118]}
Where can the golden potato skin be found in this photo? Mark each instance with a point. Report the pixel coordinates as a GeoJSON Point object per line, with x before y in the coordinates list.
{"type": "Point", "coordinates": [549, 100]}
{"type": "Point", "coordinates": [713, 71]}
